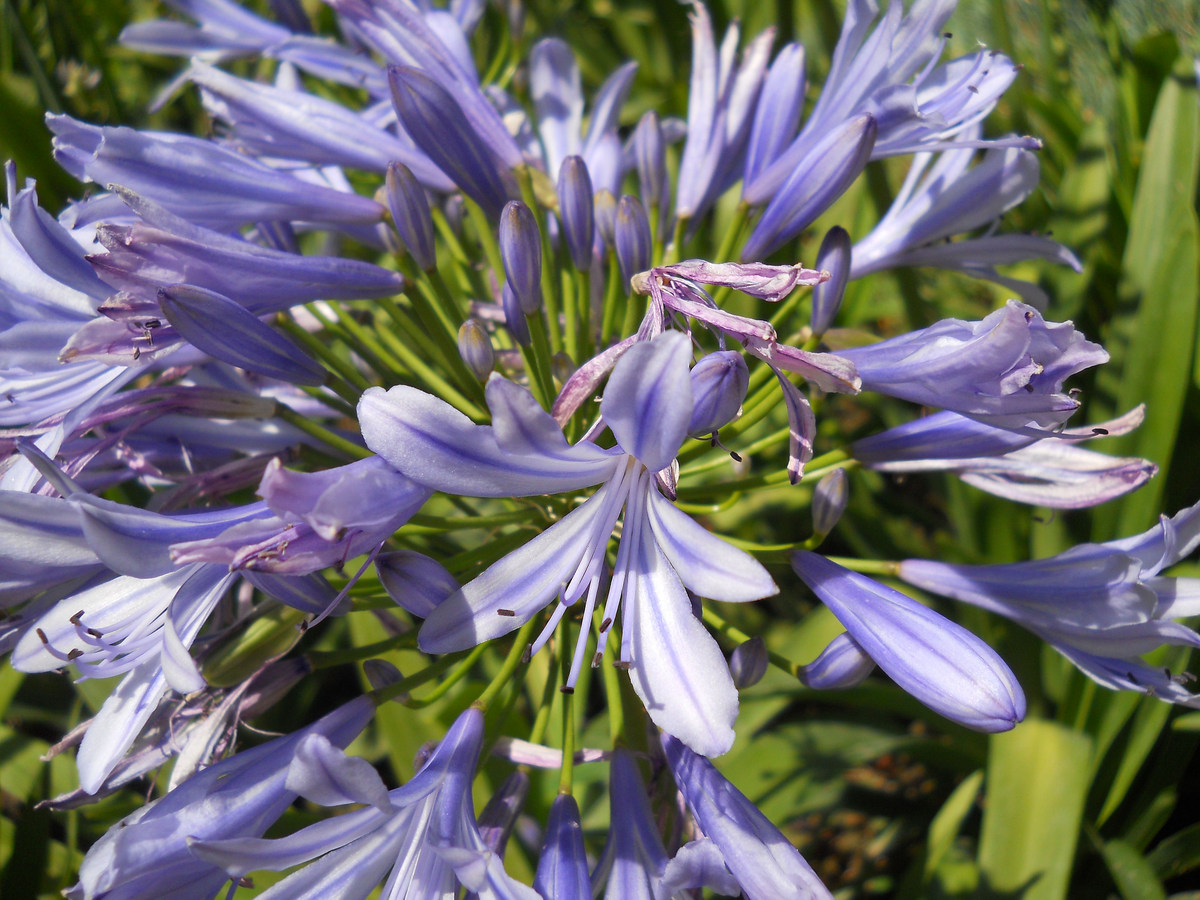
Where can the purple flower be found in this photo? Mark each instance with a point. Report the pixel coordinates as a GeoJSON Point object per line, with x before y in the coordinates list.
{"type": "Point", "coordinates": [147, 855]}
{"type": "Point", "coordinates": [951, 197]}
{"type": "Point", "coordinates": [1005, 370]}
{"type": "Point", "coordinates": [554, 83]}
{"type": "Point", "coordinates": [1100, 605]}
{"type": "Point", "coordinates": [199, 180]}
{"type": "Point", "coordinates": [421, 837]}
{"type": "Point", "coordinates": [763, 862]}
{"type": "Point", "coordinates": [1051, 471]}
{"type": "Point", "coordinates": [138, 628]}
{"type": "Point", "coordinates": [676, 668]}
{"type": "Point", "coordinates": [721, 102]}
{"type": "Point", "coordinates": [940, 663]}
{"type": "Point", "coordinates": [274, 122]}
{"type": "Point", "coordinates": [562, 872]}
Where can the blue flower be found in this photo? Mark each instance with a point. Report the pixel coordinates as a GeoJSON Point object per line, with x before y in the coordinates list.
{"type": "Point", "coordinates": [421, 837]}
{"type": "Point", "coordinates": [146, 855]}
{"type": "Point", "coordinates": [763, 862]}
{"type": "Point", "coordinates": [676, 667]}
{"type": "Point", "coordinates": [1005, 370]}
{"type": "Point", "coordinates": [940, 663]}
{"type": "Point", "coordinates": [1100, 605]}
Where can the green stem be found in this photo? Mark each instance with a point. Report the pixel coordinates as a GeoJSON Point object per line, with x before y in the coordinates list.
{"type": "Point", "coordinates": [459, 672]}
{"type": "Point", "coordinates": [507, 668]}
{"type": "Point", "coordinates": [325, 436]}
{"type": "Point", "coordinates": [541, 377]}
{"type": "Point", "coordinates": [567, 772]}
{"type": "Point", "coordinates": [735, 636]}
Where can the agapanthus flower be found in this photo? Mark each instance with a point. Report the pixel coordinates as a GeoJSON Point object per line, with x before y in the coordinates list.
{"type": "Point", "coordinates": [763, 862]}
{"type": "Point", "coordinates": [421, 837]}
{"type": "Point", "coordinates": [634, 864]}
{"type": "Point", "coordinates": [1100, 605]}
{"type": "Point", "coordinates": [147, 855]}
{"type": "Point", "coordinates": [1050, 471]}
{"type": "Point", "coordinates": [939, 662]}
{"type": "Point", "coordinates": [1005, 370]}
{"type": "Point", "coordinates": [137, 628]}
{"type": "Point", "coordinates": [675, 667]}
{"type": "Point", "coordinates": [945, 196]}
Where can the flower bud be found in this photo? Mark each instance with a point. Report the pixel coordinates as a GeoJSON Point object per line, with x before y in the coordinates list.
{"type": "Point", "coordinates": [935, 660]}
{"type": "Point", "coordinates": [650, 154]}
{"type": "Point", "coordinates": [748, 664]}
{"type": "Point", "coordinates": [410, 214]}
{"type": "Point", "coordinates": [631, 235]}
{"type": "Point", "coordinates": [475, 348]}
{"type": "Point", "coordinates": [381, 673]}
{"type": "Point", "coordinates": [829, 501]}
{"type": "Point", "coordinates": [521, 251]}
{"type": "Point", "coordinates": [719, 383]}
{"type": "Point", "coordinates": [514, 316]}
{"type": "Point", "coordinates": [605, 209]}
{"type": "Point", "coordinates": [575, 210]}
{"type": "Point", "coordinates": [842, 664]}
{"type": "Point", "coordinates": [497, 819]}
{"type": "Point", "coordinates": [833, 257]}
{"type": "Point", "coordinates": [415, 582]}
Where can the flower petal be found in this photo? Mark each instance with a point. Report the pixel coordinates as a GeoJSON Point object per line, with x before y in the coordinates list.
{"type": "Point", "coordinates": [675, 665]}
{"type": "Point", "coordinates": [432, 443]}
{"type": "Point", "coordinates": [512, 590]}
{"type": "Point", "coordinates": [648, 400]}
{"type": "Point", "coordinates": [706, 565]}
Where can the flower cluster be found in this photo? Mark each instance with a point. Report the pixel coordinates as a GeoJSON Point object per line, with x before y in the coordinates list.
{"type": "Point", "coordinates": [475, 358]}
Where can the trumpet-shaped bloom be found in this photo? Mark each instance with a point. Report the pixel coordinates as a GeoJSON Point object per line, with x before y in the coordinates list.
{"type": "Point", "coordinates": [763, 862]}
{"type": "Point", "coordinates": [676, 668]}
{"type": "Point", "coordinates": [1100, 605]}
{"type": "Point", "coordinates": [1052, 471]}
{"type": "Point", "coordinates": [423, 834]}
{"type": "Point", "coordinates": [147, 856]}
{"type": "Point", "coordinates": [1005, 370]}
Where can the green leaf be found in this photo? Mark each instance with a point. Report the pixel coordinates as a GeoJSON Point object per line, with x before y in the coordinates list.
{"type": "Point", "coordinates": [1153, 332]}
{"type": "Point", "coordinates": [1178, 854]}
{"type": "Point", "coordinates": [948, 822]}
{"type": "Point", "coordinates": [1132, 873]}
{"type": "Point", "coordinates": [1036, 785]}
{"type": "Point", "coordinates": [1144, 730]}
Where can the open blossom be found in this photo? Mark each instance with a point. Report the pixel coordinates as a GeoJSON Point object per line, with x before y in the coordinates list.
{"type": "Point", "coordinates": [1005, 370]}
{"type": "Point", "coordinates": [1100, 605]}
{"type": "Point", "coordinates": [148, 854]}
{"type": "Point", "coordinates": [421, 837]}
{"type": "Point", "coordinates": [763, 862]}
{"type": "Point", "coordinates": [676, 668]}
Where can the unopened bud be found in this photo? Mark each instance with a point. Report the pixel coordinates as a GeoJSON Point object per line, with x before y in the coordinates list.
{"type": "Point", "coordinates": [650, 154]}
{"type": "Point", "coordinates": [521, 251]}
{"type": "Point", "coordinates": [414, 581]}
{"type": "Point", "coordinates": [575, 209]}
{"type": "Point", "coordinates": [498, 817]}
{"type": "Point", "coordinates": [605, 208]}
{"type": "Point", "coordinates": [410, 214]}
{"type": "Point", "coordinates": [834, 258]}
{"type": "Point", "coordinates": [842, 664]}
{"type": "Point", "coordinates": [719, 383]}
{"type": "Point", "coordinates": [514, 316]}
{"type": "Point", "coordinates": [475, 348]}
{"type": "Point", "coordinates": [381, 673]}
{"type": "Point", "coordinates": [748, 663]}
{"type": "Point", "coordinates": [632, 237]}
{"type": "Point", "coordinates": [829, 501]}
